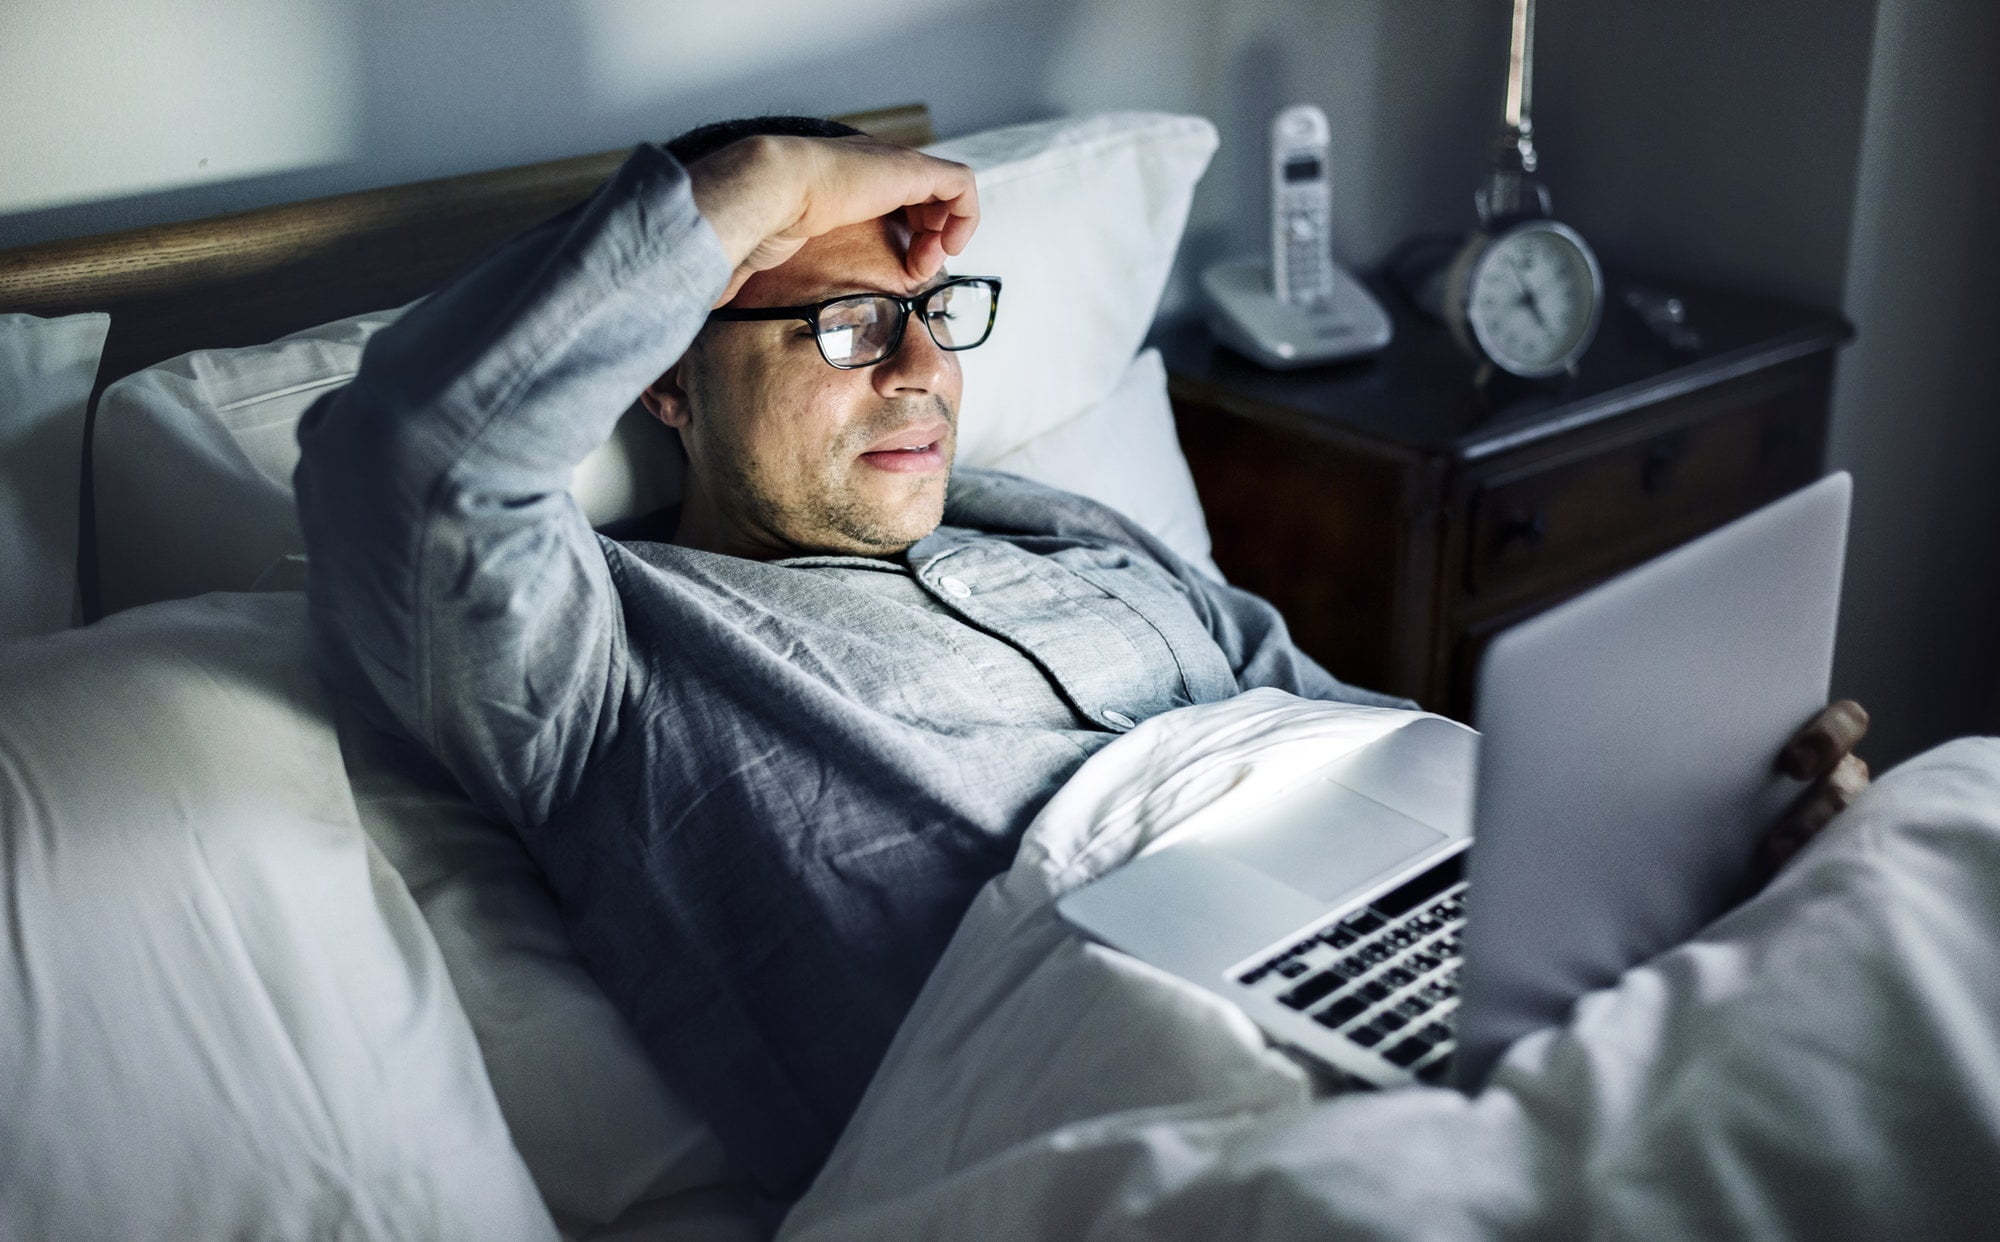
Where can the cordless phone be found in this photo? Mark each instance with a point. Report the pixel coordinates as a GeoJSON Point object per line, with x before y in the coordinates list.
{"type": "Point", "coordinates": [1299, 307]}
{"type": "Point", "coordinates": [1301, 207]}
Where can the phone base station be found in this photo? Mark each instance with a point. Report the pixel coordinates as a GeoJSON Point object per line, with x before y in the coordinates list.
{"type": "Point", "coordinates": [1246, 315]}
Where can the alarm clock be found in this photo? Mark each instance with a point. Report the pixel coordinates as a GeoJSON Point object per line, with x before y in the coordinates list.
{"type": "Point", "coordinates": [1527, 298]}
{"type": "Point", "coordinates": [1525, 293]}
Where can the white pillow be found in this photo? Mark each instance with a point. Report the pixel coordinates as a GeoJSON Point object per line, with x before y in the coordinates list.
{"type": "Point", "coordinates": [221, 1014]}
{"type": "Point", "coordinates": [46, 369]}
{"type": "Point", "coordinates": [598, 1127]}
{"type": "Point", "coordinates": [1080, 218]}
{"type": "Point", "coordinates": [1133, 430]}
{"type": "Point", "coordinates": [194, 459]}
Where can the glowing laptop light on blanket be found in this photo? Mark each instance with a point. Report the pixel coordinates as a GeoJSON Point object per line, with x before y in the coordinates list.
{"type": "Point", "coordinates": [1623, 783]}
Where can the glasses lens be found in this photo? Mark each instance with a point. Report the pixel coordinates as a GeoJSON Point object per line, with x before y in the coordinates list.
{"type": "Point", "coordinates": [854, 332]}
{"type": "Point", "coordinates": [960, 316]}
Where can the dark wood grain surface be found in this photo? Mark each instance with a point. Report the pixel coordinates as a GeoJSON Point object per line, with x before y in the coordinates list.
{"type": "Point", "coordinates": [1420, 393]}
{"type": "Point", "coordinates": [1400, 514]}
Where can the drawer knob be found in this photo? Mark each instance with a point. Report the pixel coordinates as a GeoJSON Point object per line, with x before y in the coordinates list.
{"type": "Point", "coordinates": [1528, 529]}
{"type": "Point", "coordinates": [1658, 463]}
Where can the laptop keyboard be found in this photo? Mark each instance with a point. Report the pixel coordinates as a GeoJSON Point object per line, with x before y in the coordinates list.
{"type": "Point", "coordinates": [1386, 975]}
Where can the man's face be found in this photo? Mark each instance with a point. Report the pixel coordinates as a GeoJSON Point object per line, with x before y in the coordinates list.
{"type": "Point", "coordinates": [788, 454]}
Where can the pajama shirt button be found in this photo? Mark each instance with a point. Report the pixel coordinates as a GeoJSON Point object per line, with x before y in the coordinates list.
{"type": "Point", "coordinates": [1117, 718]}
{"type": "Point", "coordinates": [954, 587]}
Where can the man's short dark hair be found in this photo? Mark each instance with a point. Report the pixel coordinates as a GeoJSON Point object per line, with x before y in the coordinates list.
{"type": "Point", "coordinates": [707, 139]}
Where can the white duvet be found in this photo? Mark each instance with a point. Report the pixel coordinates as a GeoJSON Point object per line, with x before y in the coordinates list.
{"type": "Point", "coordinates": [222, 1013]}
{"type": "Point", "coordinates": [1825, 1061]}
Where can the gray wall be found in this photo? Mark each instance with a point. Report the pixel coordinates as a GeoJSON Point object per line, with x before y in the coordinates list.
{"type": "Point", "coordinates": [1834, 151]}
{"type": "Point", "coordinates": [1711, 139]}
{"type": "Point", "coordinates": [1412, 91]}
{"type": "Point", "coordinates": [1917, 407]}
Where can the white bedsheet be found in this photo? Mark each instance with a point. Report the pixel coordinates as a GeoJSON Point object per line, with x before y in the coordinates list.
{"type": "Point", "coordinates": [221, 1013]}
{"type": "Point", "coordinates": [1825, 1061]}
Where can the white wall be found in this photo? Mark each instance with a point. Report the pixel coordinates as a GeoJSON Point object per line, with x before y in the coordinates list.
{"type": "Point", "coordinates": [104, 98]}
{"type": "Point", "coordinates": [115, 113]}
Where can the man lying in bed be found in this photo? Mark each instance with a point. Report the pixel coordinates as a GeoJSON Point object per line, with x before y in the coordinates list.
{"type": "Point", "coordinates": [767, 760]}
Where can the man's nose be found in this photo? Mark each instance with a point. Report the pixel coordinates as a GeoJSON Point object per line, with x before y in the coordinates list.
{"type": "Point", "coordinates": [918, 365]}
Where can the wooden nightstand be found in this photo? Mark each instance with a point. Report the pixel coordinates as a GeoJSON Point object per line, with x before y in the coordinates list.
{"type": "Point", "coordinates": [1399, 516]}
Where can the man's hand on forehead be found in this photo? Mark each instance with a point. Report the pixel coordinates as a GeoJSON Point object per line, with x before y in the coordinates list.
{"type": "Point", "coordinates": [767, 196]}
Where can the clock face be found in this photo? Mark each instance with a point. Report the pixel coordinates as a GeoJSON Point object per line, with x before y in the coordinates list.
{"type": "Point", "coordinates": [1532, 298]}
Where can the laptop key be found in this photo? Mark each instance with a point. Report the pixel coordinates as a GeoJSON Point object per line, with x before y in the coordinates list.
{"type": "Point", "coordinates": [1291, 968]}
{"type": "Point", "coordinates": [1390, 1020]}
{"type": "Point", "coordinates": [1409, 1052]}
{"type": "Point", "coordinates": [1366, 1036]}
{"type": "Point", "coordinates": [1339, 1011]}
{"type": "Point", "coordinates": [1312, 990]}
{"type": "Point", "coordinates": [1338, 937]}
{"type": "Point", "coordinates": [1396, 977]}
{"type": "Point", "coordinates": [1365, 922]}
{"type": "Point", "coordinates": [1374, 990]}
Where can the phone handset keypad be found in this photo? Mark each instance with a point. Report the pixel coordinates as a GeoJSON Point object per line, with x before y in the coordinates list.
{"type": "Point", "coordinates": [1302, 207]}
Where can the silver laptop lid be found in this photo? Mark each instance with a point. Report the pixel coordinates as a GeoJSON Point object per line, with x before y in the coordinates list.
{"type": "Point", "coordinates": [1627, 771]}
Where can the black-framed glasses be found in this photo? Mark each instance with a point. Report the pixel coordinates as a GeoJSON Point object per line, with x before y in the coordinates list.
{"type": "Point", "coordinates": [861, 329]}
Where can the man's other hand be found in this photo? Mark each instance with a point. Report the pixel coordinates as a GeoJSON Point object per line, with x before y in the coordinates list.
{"type": "Point", "coordinates": [1823, 753]}
{"type": "Point", "coordinates": [766, 196]}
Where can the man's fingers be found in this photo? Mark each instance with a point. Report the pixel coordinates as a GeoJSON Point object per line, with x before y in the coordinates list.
{"type": "Point", "coordinates": [1815, 808]}
{"type": "Point", "coordinates": [766, 196]}
{"type": "Point", "coordinates": [1848, 778]}
{"type": "Point", "coordinates": [961, 220]}
{"type": "Point", "coordinates": [929, 217]}
{"type": "Point", "coordinates": [1830, 735]}
{"type": "Point", "coordinates": [1802, 822]}
{"type": "Point", "coordinates": [925, 257]}
{"type": "Point", "coordinates": [860, 178]}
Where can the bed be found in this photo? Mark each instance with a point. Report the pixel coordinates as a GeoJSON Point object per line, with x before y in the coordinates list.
{"type": "Point", "coordinates": [260, 982]}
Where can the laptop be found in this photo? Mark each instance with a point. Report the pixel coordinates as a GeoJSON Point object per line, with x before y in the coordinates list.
{"type": "Point", "coordinates": [1608, 808]}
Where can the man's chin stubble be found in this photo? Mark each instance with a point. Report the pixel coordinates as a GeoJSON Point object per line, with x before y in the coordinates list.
{"type": "Point", "coordinates": [866, 528]}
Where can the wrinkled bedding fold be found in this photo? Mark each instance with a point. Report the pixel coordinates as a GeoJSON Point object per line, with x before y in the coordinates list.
{"type": "Point", "coordinates": [1824, 1061]}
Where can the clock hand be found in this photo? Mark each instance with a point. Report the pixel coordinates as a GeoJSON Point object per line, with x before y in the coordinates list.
{"type": "Point", "coordinates": [1536, 311]}
{"type": "Point", "coordinates": [1527, 297]}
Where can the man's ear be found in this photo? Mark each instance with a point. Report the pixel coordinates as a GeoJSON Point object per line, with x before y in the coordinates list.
{"type": "Point", "coordinates": [667, 400]}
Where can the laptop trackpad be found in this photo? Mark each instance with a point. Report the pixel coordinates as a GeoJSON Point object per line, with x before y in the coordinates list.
{"type": "Point", "coordinates": [1326, 841]}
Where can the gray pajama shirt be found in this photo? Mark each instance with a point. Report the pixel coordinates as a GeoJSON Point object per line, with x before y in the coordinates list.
{"type": "Point", "coordinates": [763, 792]}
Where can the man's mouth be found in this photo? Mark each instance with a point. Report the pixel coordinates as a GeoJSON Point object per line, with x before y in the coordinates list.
{"type": "Point", "coordinates": [913, 451]}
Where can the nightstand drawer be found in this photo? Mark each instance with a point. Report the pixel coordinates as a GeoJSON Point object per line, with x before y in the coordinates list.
{"type": "Point", "coordinates": [1572, 519]}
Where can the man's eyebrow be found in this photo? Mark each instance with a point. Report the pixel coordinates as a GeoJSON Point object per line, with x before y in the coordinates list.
{"type": "Point", "coordinates": [824, 292]}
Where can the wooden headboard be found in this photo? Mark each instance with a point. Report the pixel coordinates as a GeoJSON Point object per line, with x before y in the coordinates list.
{"type": "Point", "coordinates": [253, 276]}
